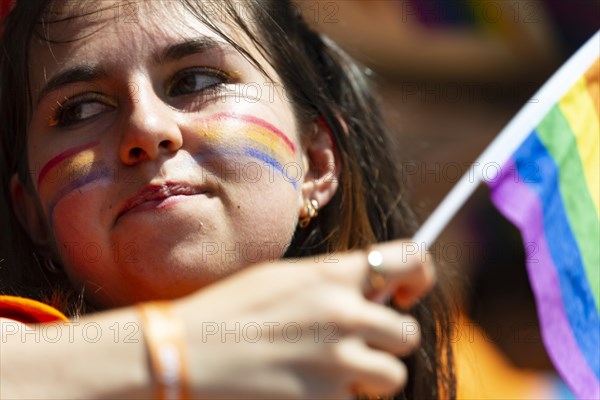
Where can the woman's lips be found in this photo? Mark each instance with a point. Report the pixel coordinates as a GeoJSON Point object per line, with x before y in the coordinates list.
{"type": "Point", "coordinates": [159, 196]}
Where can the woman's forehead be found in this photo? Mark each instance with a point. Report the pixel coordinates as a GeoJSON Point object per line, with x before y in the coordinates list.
{"type": "Point", "coordinates": [104, 29]}
{"type": "Point", "coordinates": [94, 36]}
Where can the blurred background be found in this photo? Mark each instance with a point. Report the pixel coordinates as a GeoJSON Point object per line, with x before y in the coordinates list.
{"type": "Point", "coordinates": [451, 74]}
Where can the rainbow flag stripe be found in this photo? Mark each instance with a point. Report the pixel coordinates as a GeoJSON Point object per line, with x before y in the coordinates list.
{"type": "Point", "coordinates": [494, 17]}
{"type": "Point", "coordinates": [550, 189]}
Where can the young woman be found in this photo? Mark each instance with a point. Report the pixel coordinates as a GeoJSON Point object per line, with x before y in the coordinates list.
{"type": "Point", "coordinates": [195, 181]}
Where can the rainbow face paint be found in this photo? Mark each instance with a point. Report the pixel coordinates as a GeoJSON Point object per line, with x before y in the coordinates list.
{"type": "Point", "coordinates": [224, 134]}
{"type": "Point", "coordinates": [251, 137]}
{"type": "Point", "coordinates": [69, 171]}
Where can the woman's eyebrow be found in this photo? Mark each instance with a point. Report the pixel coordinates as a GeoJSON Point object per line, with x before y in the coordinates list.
{"type": "Point", "coordinates": [79, 73]}
{"type": "Point", "coordinates": [174, 52]}
{"type": "Point", "coordinates": [201, 44]}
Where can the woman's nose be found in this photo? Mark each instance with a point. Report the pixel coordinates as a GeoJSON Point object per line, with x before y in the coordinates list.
{"type": "Point", "coordinates": [150, 129]}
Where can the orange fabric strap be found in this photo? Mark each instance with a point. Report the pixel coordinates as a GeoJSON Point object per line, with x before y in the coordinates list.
{"type": "Point", "coordinates": [165, 340]}
{"type": "Point", "coordinates": [28, 311]}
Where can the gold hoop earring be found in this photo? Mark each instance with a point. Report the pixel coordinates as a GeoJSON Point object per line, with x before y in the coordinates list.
{"type": "Point", "coordinates": [312, 210]}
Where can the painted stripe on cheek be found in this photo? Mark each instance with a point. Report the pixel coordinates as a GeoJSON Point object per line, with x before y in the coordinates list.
{"type": "Point", "coordinates": [260, 123]}
{"type": "Point", "coordinates": [233, 134]}
{"type": "Point", "coordinates": [73, 169]}
{"type": "Point", "coordinates": [62, 157]}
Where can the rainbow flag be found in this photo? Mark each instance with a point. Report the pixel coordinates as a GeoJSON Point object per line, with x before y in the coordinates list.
{"type": "Point", "coordinates": [548, 184]}
{"type": "Point", "coordinates": [549, 189]}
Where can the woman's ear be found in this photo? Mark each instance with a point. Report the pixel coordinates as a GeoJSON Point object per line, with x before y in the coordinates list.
{"type": "Point", "coordinates": [321, 166]}
{"type": "Point", "coordinates": [29, 213]}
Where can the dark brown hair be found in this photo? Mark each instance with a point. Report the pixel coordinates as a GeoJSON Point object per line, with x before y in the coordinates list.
{"type": "Point", "coordinates": [322, 81]}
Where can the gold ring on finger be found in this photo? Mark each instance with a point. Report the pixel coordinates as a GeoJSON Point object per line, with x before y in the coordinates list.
{"type": "Point", "coordinates": [375, 277]}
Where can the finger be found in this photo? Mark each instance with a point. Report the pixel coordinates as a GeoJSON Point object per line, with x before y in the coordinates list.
{"type": "Point", "coordinates": [405, 271]}
{"type": "Point", "coordinates": [385, 329]}
{"type": "Point", "coordinates": [408, 273]}
{"type": "Point", "coordinates": [371, 371]}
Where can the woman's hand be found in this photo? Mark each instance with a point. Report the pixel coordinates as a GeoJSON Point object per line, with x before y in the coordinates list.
{"type": "Point", "coordinates": [309, 328]}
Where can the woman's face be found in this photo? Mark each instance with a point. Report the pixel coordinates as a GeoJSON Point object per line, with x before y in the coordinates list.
{"type": "Point", "coordinates": [161, 158]}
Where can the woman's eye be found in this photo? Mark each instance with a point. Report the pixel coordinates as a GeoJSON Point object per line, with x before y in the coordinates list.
{"type": "Point", "coordinates": [194, 81]}
{"type": "Point", "coordinates": [81, 109]}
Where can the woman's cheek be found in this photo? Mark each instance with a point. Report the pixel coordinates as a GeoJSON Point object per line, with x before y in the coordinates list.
{"type": "Point", "coordinates": [79, 235]}
{"type": "Point", "coordinates": [267, 220]}
{"type": "Point", "coordinates": [261, 176]}
{"type": "Point", "coordinates": [69, 176]}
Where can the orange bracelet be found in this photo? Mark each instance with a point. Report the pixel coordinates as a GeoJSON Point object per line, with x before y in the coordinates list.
{"type": "Point", "coordinates": [164, 334]}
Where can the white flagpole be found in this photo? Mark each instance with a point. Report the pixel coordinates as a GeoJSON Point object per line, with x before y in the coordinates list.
{"type": "Point", "coordinates": [508, 140]}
